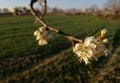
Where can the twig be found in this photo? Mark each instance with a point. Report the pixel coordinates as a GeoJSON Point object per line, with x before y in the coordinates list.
{"type": "Point", "coordinates": [40, 20]}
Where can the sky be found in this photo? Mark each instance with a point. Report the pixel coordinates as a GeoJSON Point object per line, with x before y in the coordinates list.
{"type": "Point", "coordinates": [64, 4]}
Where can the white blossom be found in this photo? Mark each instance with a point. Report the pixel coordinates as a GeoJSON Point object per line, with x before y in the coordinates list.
{"type": "Point", "coordinates": [42, 42]}
{"type": "Point", "coordinates": [90, 42]}
{"type": "Point", "coordinates": [84, 53]}
{"type": "Point", "coordinates": [87, 50]}
{"type": "Point", "coordinates": [42, 36]}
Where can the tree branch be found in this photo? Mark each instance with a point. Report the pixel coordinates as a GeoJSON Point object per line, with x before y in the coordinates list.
{"type": "Point", "coordinates": [69, 37]}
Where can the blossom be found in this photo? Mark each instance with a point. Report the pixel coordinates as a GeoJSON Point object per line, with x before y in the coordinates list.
{"type": "Point", "coordinates": [42, 42]}
{"type": "Point", "coordinates": [42, 36]}
{"type": "Point", "coordinates": [88, 50]}
{"type": "Point", "coordinates": [103, 33]}
{"type": "Point", "coordinates": [90, 42]}
{"type": "Point", "coordinates": [105, 41]}
{"type": "Point", "coordinates": [84, 53]}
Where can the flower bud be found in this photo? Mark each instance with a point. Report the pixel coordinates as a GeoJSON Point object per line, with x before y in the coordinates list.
{"type": "Point", "coordinates": [105, 41]}
{"type": "Point", "coordinates": [103, 33]}
{"type": "Point", "coordinates": [36, 33]}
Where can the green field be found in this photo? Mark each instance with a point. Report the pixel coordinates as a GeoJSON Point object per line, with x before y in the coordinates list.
{"type": "Point", "coordinates": [23, 60]}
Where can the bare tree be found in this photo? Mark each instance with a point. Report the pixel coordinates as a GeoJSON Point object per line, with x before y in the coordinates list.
{"type": "Point", "coordinates": [56, 10]}
{"type": "Point", "coordinates": [113, 5]}
{"type": "Point", "coordinates": [111, 9]}
{"type": "Point", "coordinates": [6, 10]}
{"type": "Point", "coordinates": [94, 8]}
{"type": "Point", "coordinates": [0, 10]}
{"type": "Point", "coordinates": [49, 10]}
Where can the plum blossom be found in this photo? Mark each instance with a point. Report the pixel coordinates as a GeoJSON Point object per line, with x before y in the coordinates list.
{"type": "Point", "coordinates": [85, 51]}
{"type": "Point", "coordinates": [91, 48]}
{"type": "Point", "coordinates": [42, 36]}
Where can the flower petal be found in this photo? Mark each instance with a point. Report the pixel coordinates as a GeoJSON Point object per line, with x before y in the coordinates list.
{"type": "Point", "coordinates": [42, 42]}
{"type": "Point", "coordinates": [36, 33]}
{"type": "Point", "coordinates": [39, 36]}
{"type": "Point", "coordinates": [89, 40]}
{"type": "Point", "coordinates": [42, 29]}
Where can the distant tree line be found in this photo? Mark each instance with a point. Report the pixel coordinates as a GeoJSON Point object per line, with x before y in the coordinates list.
{"type": "Point", "coordinates": [111, 9]}
{"type": "Point", "coordinates": [4, 10]}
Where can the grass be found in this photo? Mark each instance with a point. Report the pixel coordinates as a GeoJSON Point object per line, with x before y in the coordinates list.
{"type": "Point", "coordinates": [22, 60]}
{"type": "Point", "coordinates": [16, 33]}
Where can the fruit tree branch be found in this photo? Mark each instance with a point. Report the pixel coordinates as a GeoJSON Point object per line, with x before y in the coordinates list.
{"type": "Point", "coordinates": [40, 20]}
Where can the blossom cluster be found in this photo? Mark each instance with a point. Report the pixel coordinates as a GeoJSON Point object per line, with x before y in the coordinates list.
{"type": "Point", "coordinates": [42, 36]}
{"type": "Point", "coordinates": [91, 48]}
